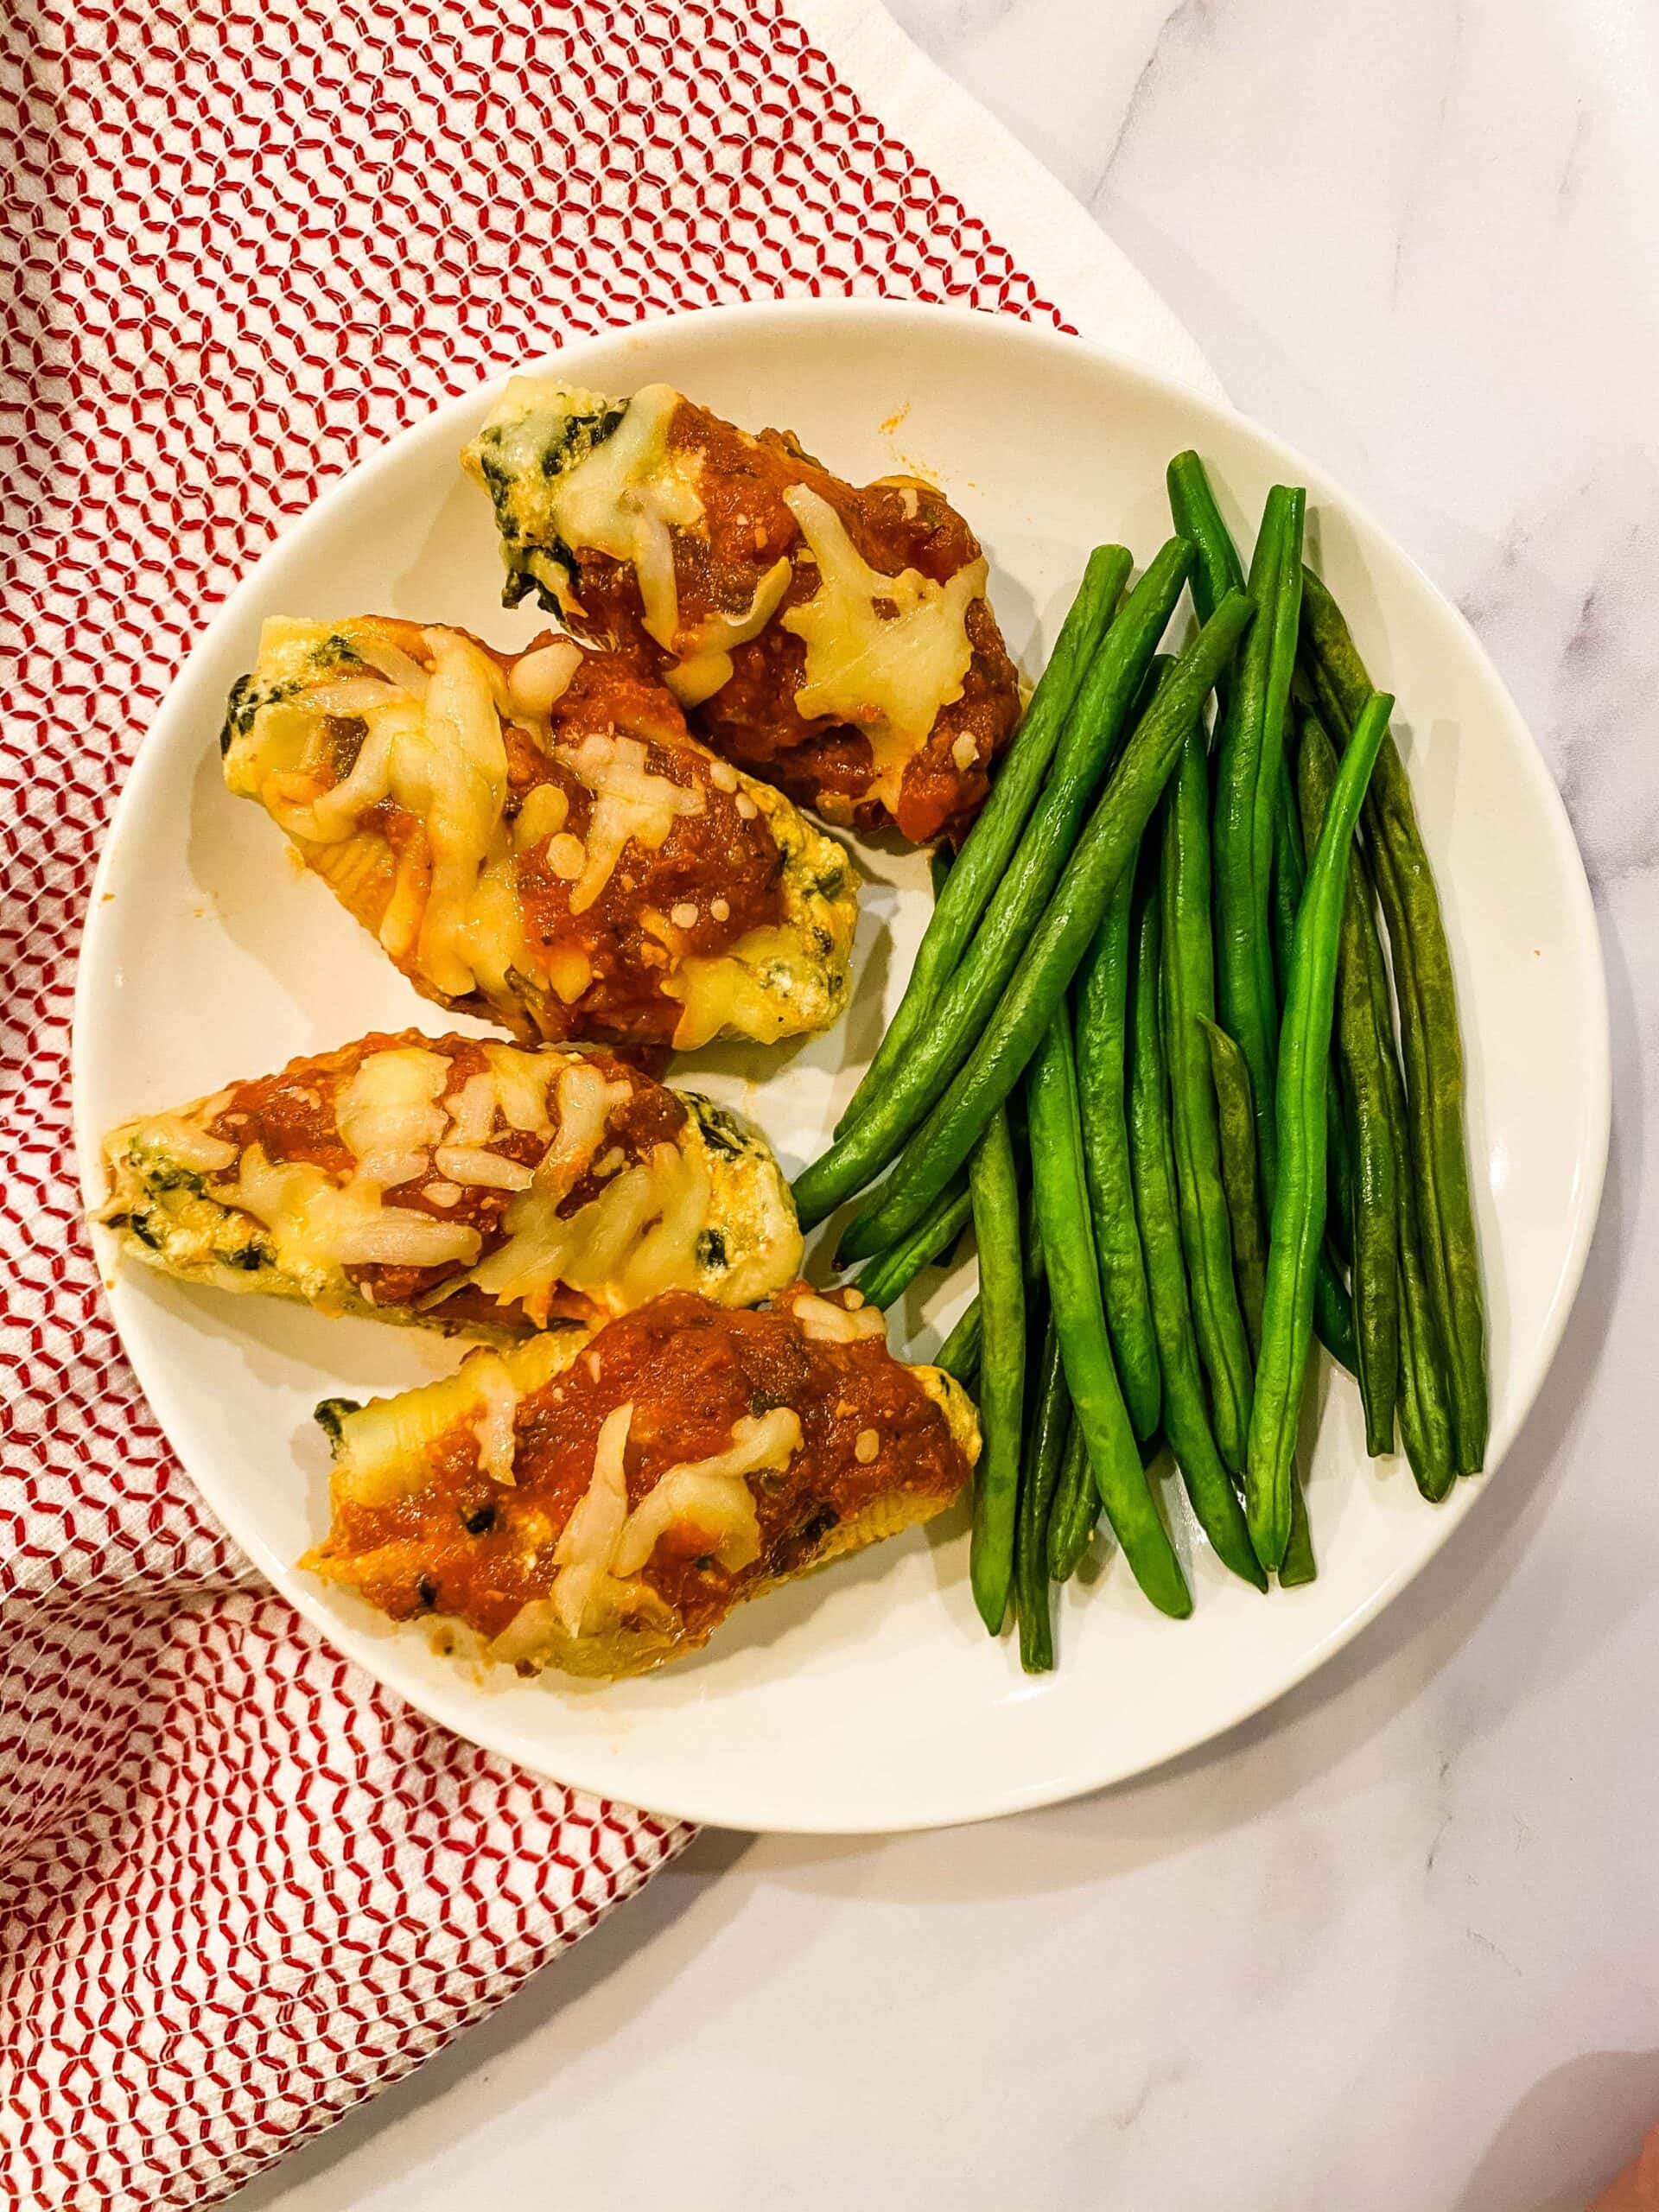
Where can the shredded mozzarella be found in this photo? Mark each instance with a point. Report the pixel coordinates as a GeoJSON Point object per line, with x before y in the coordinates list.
{"type": "Point", "coordinates": [471, 1110]}
{"type": "Point", "coordinates": [705, 663]}
{"type": "Point", "coordinates": [540, 679]}
{"type": "Point", "coordinates": [828, 1324]}
{"type": "Point", "coordinates": [442, 898]}
{"type": "Point", "coordinates": [630, 802]}
{"type": "Point", "coordinates": [544, 813]}
{"type": "Point", "coordinates": [459, 787]}
{"type": "Point", "coordinates": [888, 673]}
{"type": "Point", "coordinates": [185, 1142]}
{"type": "Point", "coordinates": [627, 494]}
{"type": "Point", "coordinates": [388, 1116]}
{"type": "Point", "coordinates": [712, 1495]}
{"type": "Point", "coordinates": [569, 970]}
{"type": "Point", "coordinates": [399, 669]}
{"type": "Point", "coordinates": [317, 1226]}
{"type": "Point", "coordinates": [588, 1540]}
{"type": "Point", "coordinates": [473, 1166]}
{"type": "Point", "coordinates": [636, 1240]}
{"type": "Point", "coordinates": [494, 1424]}
{"type": "Point", "coordinates": [521, 1081]}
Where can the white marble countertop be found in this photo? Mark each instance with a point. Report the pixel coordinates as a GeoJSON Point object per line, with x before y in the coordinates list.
{"type": "Point", "coordinates": [1397, 1942]}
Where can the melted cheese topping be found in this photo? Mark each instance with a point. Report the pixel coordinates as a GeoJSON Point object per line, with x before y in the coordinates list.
{"type": "Point", "coordinates": [706, 648]}
{"type": "Point", "coordinates": [540, 679]}
{"type": "Point", "coordinates": [185, 1142]}
{"type": "Point", "coordinates": [455, 785]}
{"type": "Point", "coordinates": [637, 1239]}
{"type": "Point", "coordinates": [827, 1323]}
{"type": "Point", "coordinates": [588, 1540]}
{"type": "Point", "coordinates": [317, 1226]}
{"type": "Point", "coordinates": [388, 1114]}
{"type": "Point", "coordinates": [433, 746]}
{"type": "Point", "coordinates": [602, 1543]}
{"type": "Point", "coordinates": [643, 1232]}
{"type": "Point", "coordinates": [624, 495]}
{"type": "Point", "coordinates": [473, 1167]}
{"type": "Point", "coordinates": [889, 673]}
{"type": "Point", "coordinates": [629, 802]}
{"type": "Point", "coordinates": [747, 989]}
{"type": "Point", "coordinates": [570, 468]}
{"type": "Point", "coordinates": [712, 1497]}
{"type": "Point", "coordinates": [542, 812]}
{"type": "Point", "coordinates": [389, 1118]}
{"type": "Point", "coordinates": [520, 1082]}
{"type": "Point", "coordinates": [493, 1426]}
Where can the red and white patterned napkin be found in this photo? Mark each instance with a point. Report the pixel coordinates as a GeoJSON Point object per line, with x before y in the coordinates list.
{"type": "Point", "coordinates": [240, 1886]}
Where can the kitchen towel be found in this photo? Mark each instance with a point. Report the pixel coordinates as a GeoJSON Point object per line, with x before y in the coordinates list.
{"type": "Point", "coordinates": [241, 1887]}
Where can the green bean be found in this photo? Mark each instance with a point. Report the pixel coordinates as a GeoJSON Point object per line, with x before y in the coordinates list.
{"type": "Point", "coordinates": [996, 833]}
{"type": "Point", "coordinates": [1333, 1315]}
{"type": "Point", "coordinates": [1196, 516]}
{"type": "Point", "coordinates": [1288, 864]}
{"type": "Point", "coordinates": [1236, 1129]}
{"type": "Point", "coordinates": [1031, 1230]}
{"type": "Point", "coordinates": [1288, 870]}
{"type": "Point", "coordinates": [1376, 1242]}
{"type": "Point", "coordinates": [1238, 1175]}
{"type": "Point", "coordinates": [1424, 1404]}
{"type": "Point", "coordinates": [1057, 1175]}
{"type": "Point", "coordinates": [1039, 1475]}
{"type": "Point", "coordinates": [1076, 1509]}
{"type": "Point", "coordinates": [1241, 896]}
{"type": "Point", "coordinates": [1270, 765]}
{"type": "Point", "coordinates": [1298, 1221]}
{"type": "Point", "coordinates": [1344, 1170]}
{"type": "Point", "coordinates": [959, 1354]}
{"type": "Point", "coordinates": [1186, 1424]}
{"type": "Point", "coordinates": [1333, 1311]}
{"type": "Point", "coordinates": [1298, 1564]}
{"type": "Point", "coordinates": [1068, 926]}
{"type": "Point", "coordinates": [890, 1275]}
{"type": "Point", "coordinates": [1102, 996]}
{"type": "Point", "coordinates": [935, 1054]}
{"type": "Point", "coordinates": [1190, 999]}
{"type": "Point", "coordinates": [1430, 1040]}
{"type": "Point", "coordinates": [1247, 920]}
{"type": "Point", "coordinates": [995, 1183]}
{"type": "Point", "coordinates": [939, 870]}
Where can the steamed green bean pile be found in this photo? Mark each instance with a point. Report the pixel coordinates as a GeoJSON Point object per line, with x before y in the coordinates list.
{"type": "Point", "coordinates": [1154, 1050]}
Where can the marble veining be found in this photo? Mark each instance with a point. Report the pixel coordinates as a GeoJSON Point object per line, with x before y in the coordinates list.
{"type": "Point", "coordinates": [1396, 1943]}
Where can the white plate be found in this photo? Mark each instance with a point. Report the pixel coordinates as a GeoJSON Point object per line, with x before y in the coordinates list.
{"type": "Point", "coordinates": [868, 1697]}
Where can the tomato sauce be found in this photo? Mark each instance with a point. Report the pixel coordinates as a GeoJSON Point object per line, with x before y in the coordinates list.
{"type": "Point", "coordinates": [752, 719]}
{"type": "Point", "coordinates": [462, 1544]}
{"type": "Point", "coordinates": [293, 1116]}
{"type": "Point", "coordinates": [720, 868]}
{"type": "Point", "coordinates": [659, 905]}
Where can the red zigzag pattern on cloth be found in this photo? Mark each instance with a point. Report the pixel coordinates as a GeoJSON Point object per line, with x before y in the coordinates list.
{"type": "Point", "coordinates": [242, 1887]}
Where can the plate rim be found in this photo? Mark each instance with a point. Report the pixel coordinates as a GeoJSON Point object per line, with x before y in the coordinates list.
{"type": "Point", "coordinates": [755, 1813]}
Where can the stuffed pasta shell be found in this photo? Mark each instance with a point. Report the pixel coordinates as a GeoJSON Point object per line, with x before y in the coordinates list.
{"type": "Point", "coordinates": [600, 1503]}
{"type": "Point", "coordinates": [538, 840]}
{"type": "Point", "coordinates": [464, 1185]}
{"type": "Point", "coordinates": [832, 639]}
